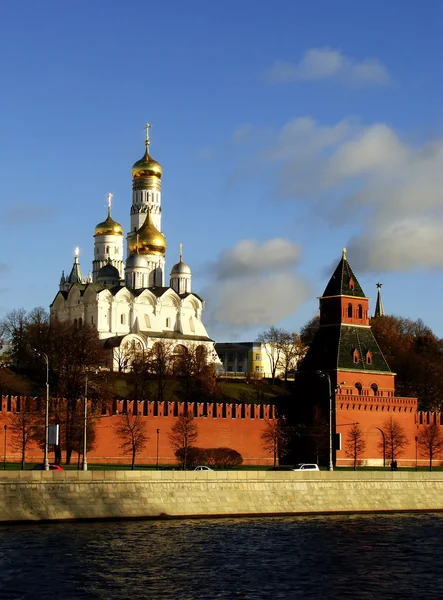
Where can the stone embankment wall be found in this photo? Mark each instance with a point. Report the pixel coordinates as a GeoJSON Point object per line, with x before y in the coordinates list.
{"type": "Point", "coordinates": [37, 495]}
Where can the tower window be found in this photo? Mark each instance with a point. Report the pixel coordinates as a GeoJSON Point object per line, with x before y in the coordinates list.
{"type": "Point", "coordinates": [107, 249]}
{"type": "Point", "coordinates": [168, 322]}
{"type": "Point", "coordinates": [122, 319]}
{"type": "Point", "coordinates": [350, 310]}
{"type": "Point", "coordinates": [116, 250]}
{"type": "Point", "coordinates": [351, 283]}
{"type": "Point", "coordinates": [355, 356]}
{"type": "Point", "coordinates": [369, 357]}
{"type": "Point", "coordinates": [360, 311]}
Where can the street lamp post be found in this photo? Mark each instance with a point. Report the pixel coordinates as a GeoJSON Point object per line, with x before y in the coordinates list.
{"type": "Point", "coordinates": [4, 453]}
{"type": "Point", "coordinates": [85, 426]}
{"type": "Point", "coordinates": [384, 445]}
{"type": "Point", "coordinates": [416, 452]}
{"type": "Point", "coordinates": [45, 459]}
{"type": "Point", "coordinates": [156, 460]}
{"type": "Point", "coordinates": [326, 375]}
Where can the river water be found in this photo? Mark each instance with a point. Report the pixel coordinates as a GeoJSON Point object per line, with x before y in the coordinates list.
{"type": "Point", "coordinates": [321, 557]}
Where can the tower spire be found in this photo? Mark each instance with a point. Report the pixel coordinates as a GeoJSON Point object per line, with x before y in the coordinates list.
{"type": "Point", "coordinates": [379, 310]}
{"type": "Point", "coordinates": [181, 252]}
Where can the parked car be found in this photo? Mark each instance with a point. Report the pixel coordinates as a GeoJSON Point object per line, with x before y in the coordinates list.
{"type": "Point", "coordinates": [306, 467]}
{"type": "Point", "coordinates": [203, 468]}
{"type": "Point", "coordinates": [52, 467]}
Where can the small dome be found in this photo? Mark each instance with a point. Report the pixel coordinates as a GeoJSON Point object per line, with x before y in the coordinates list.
{"type": "Point", "coordinates": [109, 227]}
{"type": "Point", "coordinates": [108, 272]}
{"type": "Point", "coordinates": [181, 268]}
{"type": "Point", "coordinates": [148, 239]}
{"type": "Point", "coordinates": [146, 167]}
{"type": "Point", "coordinates": [136, 261]}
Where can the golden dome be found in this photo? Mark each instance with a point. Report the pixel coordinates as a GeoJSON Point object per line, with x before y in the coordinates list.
{"type": "Point", "coordinates": [109, 227]}
{"type": "Point", "coordinates": [146, 166]}
{"type": "Point", "coordinates": [148, 239]}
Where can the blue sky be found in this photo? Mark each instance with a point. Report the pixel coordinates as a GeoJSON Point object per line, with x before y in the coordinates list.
{"type": "Point", "coordinates": [285, 132]}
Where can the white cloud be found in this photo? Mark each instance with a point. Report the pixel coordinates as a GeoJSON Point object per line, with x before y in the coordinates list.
{"type": "Point", "coordinates": [326, 63]}
{"type": "Point", "coordinates": [254, 285]}
{"type": "Point", "coordinates": [368, 177]}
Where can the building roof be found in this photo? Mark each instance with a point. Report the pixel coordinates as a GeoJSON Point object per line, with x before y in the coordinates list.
{"type": "Point", "coordinates": [333, 348]}
{"type": "Point", "coordinates": [343, 281]}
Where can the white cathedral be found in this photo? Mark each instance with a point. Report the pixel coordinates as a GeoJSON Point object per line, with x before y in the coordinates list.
{"type": "Point", "coordinates": [127, 300]}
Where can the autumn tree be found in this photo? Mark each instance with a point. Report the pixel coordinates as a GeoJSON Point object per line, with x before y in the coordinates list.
{"type": "Point", "coordinates": [308, 331]}
{"type": "Point", "coordinates": [24, 427]}
{"type": "Point", "coordinates": [182, 436]}
{"type": "Point", "coordinates": [275, 438]}
{"type": "Point", "coordinates": [160, 363]}
{"type": "Point", "coordinates": [292, 351]}
{"type": "Point", "coordinates": [396, 438]}
{"type": "Point", "coordinates": [430, 442]}
{"type": "Point", "coordinates": [195, 372]}
{"type": "Point", "coordinates": [355, 445]}
{"type": "Point", "coordinates": [132, 434]}
{"type": "Point", "coordinates": [415, 354]}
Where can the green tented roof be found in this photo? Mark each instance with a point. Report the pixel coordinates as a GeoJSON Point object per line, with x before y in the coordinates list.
{"type": "Point", "coordinates": [339, 284]}
{"type": "Point", "coordinates": [333, 348]}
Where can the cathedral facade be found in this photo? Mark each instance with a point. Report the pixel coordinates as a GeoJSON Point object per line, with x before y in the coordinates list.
{"type": "Point", "coordinates": [125, 296]}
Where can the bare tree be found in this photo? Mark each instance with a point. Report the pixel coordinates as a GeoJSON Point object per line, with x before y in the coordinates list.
{"type": "Point", "coordinates": [132, 433]}
{"type": "Point", "coordinates": [275, 438]}
{"type": "Point", "coordinates": [355, 445]}
{"type": "Point", "coordinates": [272, 340]}
{"type": "Point", "coordinates": [396, 438]}
{"type": "Point", "coordinates": [23, 427]}
{"type": "Point", "coordinates": [183, 434]}
{"type": "Point", "coordinates": [430, 442]}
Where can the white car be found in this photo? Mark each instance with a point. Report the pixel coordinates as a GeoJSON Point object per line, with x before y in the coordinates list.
{"type": "Point", "coordinates": [306, 467]}
{"type": "Point", "coordinates": [203, 468]}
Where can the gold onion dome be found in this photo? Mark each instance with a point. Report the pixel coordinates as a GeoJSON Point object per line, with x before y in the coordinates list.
{"type": "Point", "coordinates": [146, 166]}
{"type": "Point", "coordinates": [109, 227]}
{"type": "Point", "coordinates": [148, 239]}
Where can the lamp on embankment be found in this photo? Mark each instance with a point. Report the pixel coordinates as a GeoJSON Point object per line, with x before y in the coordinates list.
{"type": "Point", "coordinates": [326, 375]}
{"type": "Point", "coordinates": [4, 453]}
{"type": "Point", "coordinates": [45, 459]}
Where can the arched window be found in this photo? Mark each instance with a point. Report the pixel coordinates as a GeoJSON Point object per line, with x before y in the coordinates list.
{"type": "Point", "coordinates": [369, 357]}
{"type": "Point", "coordinates": [80, 323]}
{"type": "Point", "coordinates": [350, 310]}
{"type": "Point", "coordinates": [359, 388]}
{"type": "Point", "coordinates": [191, 324]}
{"type": "Point", "coordinates": [75, 323]}
{"type": "Point", "coordinates": [360, 311]}
{"type": "Point", "coordinates": [122, 319]}
{"type": "Point", "coordinates": [374, 388]}
{"type": "Point", "coordinates": [355, 356]}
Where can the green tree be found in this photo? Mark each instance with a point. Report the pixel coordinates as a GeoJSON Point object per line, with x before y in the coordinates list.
{"type": "Point", "coordinates": [430, 442]}
{"type": "Point", "coordinates": [308, 331]}
{"type": "Point", "coordinates": [292, 351]}
{"type": "Point", "coordinates": [355, 444]}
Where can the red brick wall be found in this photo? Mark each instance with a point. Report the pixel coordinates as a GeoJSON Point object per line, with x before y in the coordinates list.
{"type": "Point", "coordinates": [224, 425]}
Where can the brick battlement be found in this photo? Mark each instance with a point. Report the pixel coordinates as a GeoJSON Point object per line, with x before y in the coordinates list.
{"type": "Point", "coordinates": [145, 408]}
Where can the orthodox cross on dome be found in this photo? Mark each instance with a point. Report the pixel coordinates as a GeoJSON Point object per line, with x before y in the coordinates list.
{"type": "Point", "coordinates": [147, 128]}
{"type": "Point", "coordinates": [379, 285]}
{"type": "Point", "coordinates": [344, 254]}
{"type": "Point", "coordinates": [76, 253]}
{"type": "Point", "coordinates": [181, 252]}
{"type": "Point", "coordinates": [110, 196]}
